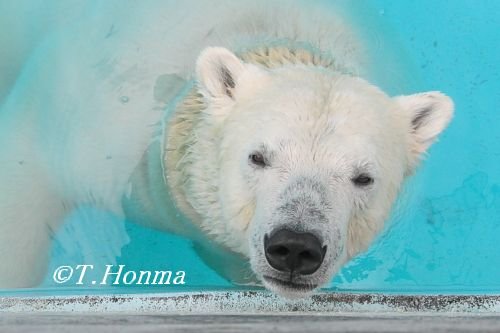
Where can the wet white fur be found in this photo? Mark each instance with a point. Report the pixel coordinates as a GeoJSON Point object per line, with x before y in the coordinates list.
{"type": "Point", "coordinates": [321, 126]}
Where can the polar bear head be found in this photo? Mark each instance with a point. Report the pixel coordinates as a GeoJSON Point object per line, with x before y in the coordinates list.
{"type": "Point", "coordinates": [304, 163]}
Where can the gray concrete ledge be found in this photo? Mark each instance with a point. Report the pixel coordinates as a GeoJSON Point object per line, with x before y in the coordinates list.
{"type": "Point", "coordinates": [255, 302]}
{"type": "Point", "coordinates": [288, 323]}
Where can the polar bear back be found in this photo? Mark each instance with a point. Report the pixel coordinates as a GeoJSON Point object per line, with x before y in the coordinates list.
{"type": "Point", "coordinates": [92, 96]}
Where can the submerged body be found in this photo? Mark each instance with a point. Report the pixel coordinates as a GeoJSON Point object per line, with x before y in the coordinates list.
{"type": "Point", "coordinates": [227, 148]}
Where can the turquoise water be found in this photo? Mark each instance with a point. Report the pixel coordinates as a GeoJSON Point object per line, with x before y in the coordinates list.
{"type": "Point", "coordinates": [444, 234]}
{"type": "Point", "coordinates": [444, 237]}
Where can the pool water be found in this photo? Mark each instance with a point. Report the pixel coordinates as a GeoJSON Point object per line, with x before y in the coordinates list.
{"type": "Point", "coordinates": [444, 236]}
{"type": "Point", "coordinates": [444, 233]}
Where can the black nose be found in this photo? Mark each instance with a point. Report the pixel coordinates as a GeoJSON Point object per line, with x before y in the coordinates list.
{"type": "Point", "coordinates": [289, 251]}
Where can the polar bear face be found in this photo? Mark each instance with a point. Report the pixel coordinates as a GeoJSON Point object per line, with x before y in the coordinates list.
{"type": "Point", "coordinates": [309, 163]}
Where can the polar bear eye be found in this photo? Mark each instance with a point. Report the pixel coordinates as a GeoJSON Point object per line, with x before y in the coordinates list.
{"type": "Point", "coordinates": [257, 159]}
{"type": "Point", "coordinates": [362, 180]}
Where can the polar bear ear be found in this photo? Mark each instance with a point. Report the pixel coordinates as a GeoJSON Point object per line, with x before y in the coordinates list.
{"type": "Point", "coordinates": [429, 114]}
{"type": "Point", "coordinates": [218, 70]}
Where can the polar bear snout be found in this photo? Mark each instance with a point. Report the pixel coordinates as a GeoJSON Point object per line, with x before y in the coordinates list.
{"type": "Point", "coordinates": [294, 252]}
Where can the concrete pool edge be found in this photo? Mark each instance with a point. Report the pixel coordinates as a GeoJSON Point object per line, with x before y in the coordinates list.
{"type": "Point", "coordinates": [255, 302]}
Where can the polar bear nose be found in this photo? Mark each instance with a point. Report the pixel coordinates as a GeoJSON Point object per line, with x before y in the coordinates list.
{"type": "Point", "coordinates": [290, 251]}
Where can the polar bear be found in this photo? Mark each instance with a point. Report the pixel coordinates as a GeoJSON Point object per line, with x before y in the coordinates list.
{"type": "Point", "coordinates": [247, 128]}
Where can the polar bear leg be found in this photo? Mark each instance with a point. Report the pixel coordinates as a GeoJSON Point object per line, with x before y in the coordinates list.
{"type": "Point", "coordinates": [29, 213]}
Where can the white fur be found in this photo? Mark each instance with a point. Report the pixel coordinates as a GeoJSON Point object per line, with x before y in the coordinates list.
{"type": "Point", "coordinates": [321, 126]}
{"type": "Point", "coordinates": [78, 127]}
